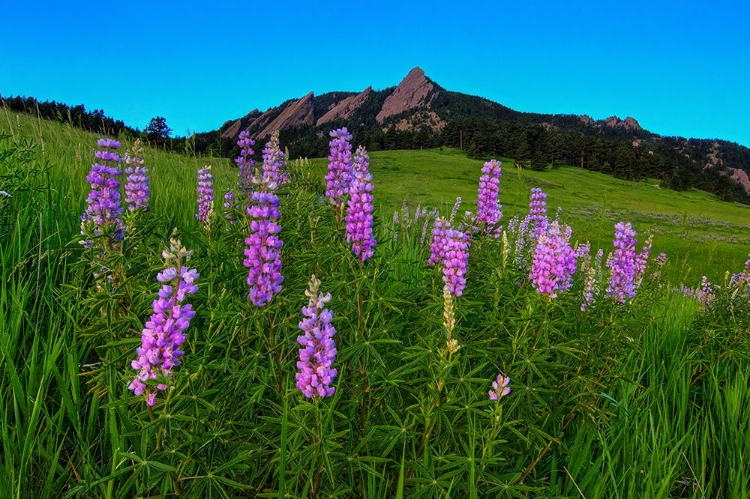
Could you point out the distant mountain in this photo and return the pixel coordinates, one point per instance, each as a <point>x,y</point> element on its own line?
<point>419,113</point>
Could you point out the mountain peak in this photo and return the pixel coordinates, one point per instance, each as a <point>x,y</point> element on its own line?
<point>414,91</point>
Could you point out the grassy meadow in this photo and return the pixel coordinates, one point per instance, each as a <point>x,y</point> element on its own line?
<point>645,399</point>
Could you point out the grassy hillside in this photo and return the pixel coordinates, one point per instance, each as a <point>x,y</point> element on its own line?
<point>702,234</point>
<point>706,235</point>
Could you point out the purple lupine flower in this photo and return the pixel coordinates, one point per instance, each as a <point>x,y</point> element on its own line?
<point>263,252</point>
<point>592,271</point>
<point>707,294</point>
<point>455,208</point>
<point>622,264</point>
<point>359,208</point>
<point>164,333</point>
<point>641,259</point>
<point>425,226</point>
<point>488,208</point>
<point>455,261</point>
<point>500,387</point>
<point>554,262</point>
<point>437,245</point>
<point>661,260</point>
<point>318,350</point>
<point>103,214</point>
<point>339,174</point>
<point>274,163</point>
<point>245,163</point>
<point>537,211</point>
<point>136,188</point>
<point>205,196</point>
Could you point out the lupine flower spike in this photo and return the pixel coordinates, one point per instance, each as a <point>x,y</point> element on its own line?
<point>554,261</point>
<point>205,197</point>
<point>245,164</point>
<point>455,261</point>
<point>136,188</point>
<point>318,351</point>
<point>359,208</point>
<point>488,209</point>
<point>103,215</point>
<point>263,252</point>
<point>274,163</point>
<point>623,264</point>
<point>339,174</point>
<point>164,333</point>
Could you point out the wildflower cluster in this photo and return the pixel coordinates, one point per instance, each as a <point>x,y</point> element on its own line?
<point>164,333</point>
<point>103,215</point>
<point>318,350</point>
<point>359,208</point>
<point>339,174</point>
<point>136,187</point>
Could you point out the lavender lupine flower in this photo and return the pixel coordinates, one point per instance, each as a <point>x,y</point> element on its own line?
<point>274,163</point>
<point>245,163</point>
<point>537,211</point>
<point>359,208</point>
<point>456,206</point>
<point>554,262</point>
<point>455,261</point>
<point>622,265</point>
<point>136,188</point>
<point>592,271</point>
<point>488,208</point>
<point>205,196</point>
<point>641,259</point>
<point>164,333</point>
<point>263,252</point>
<point>318,350</point>
<point>661,260</point>
<point>339,174</point>
<point>500,387</point>
<point>103,215</point>
<point>437,246</point>
<point>706,295</point>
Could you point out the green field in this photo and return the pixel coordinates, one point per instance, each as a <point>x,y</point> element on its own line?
<point>646,398</point>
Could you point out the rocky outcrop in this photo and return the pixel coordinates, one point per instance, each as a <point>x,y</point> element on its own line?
<point>428,120</point>
<point>414,91</point>
<point>296,114</point>
<point>741,177</point>
<point>628,123</point>
<point>344,109</point>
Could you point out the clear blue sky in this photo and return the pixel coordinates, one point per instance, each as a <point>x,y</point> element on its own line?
<point>678,67</point>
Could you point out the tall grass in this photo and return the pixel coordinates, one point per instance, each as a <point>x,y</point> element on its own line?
<point>647,400</point>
